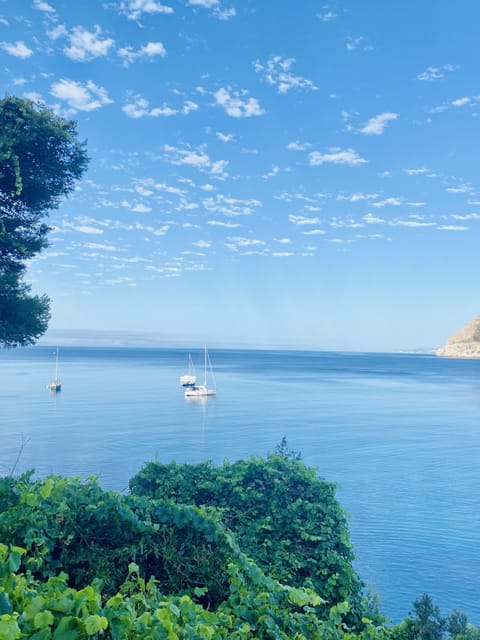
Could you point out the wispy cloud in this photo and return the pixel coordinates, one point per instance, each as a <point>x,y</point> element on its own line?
<point>336,155</point>
<point>467,216</point>
<point>277,73</point>
<point>17,49</point>
<point>452,227</point>
<point>216,8</point>
<point>352,43</point>
<point>369,218</point>
<point>40,5</point>
<point>231,207</point>
<point>435,73</point>
<point>358,197</point>
<point>139,107</point>
<point>148,51</point>
<point>376,125</point>
<point>236,243</point>
<point>196,158</point>
<point>302,220</point>
<point>298,146</point>
<point>87,45</point>
<point>271,174</point>
<point>392,201</point>
<point>463,187</point>
<point>133,9</point>
<point>225,137</point>
<point>327,15</point>
<point>422,171</point>
<point>80,97</point>
<point>236,104</point>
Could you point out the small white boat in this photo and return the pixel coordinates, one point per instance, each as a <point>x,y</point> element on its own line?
<point>201,390</point>
<point>188,379</point>
<point>55,385</point>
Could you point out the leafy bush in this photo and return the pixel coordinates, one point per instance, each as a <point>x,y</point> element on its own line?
<point>76,527</point>
<point>283,516</point>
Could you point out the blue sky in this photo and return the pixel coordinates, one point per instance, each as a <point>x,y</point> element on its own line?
<point>262,173</point>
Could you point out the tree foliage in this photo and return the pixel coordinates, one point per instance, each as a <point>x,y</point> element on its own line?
<point>40,161</point>
<point>282,514</point>
<point>79,563</point>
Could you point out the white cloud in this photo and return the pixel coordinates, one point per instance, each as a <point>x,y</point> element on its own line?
<point>133,9</point>
<point>434,73</point>
<point>82,228</point>
<point>225,137</point>
<point>388,201</point>
<point>352,43</point>
<point>376,125</point>
<point>314,232</point>
<point>358,196</point>
<point>198,159</point>
<point>298,146</point>
<point>141,208</point>
<point>215,6</point>
<point>327,16</point>
<point>460,102</point>
<point>221,223</point>
<point>17,49</point>
<point>283,240</point>
<point>452,227</point>
<point>271,174</point>
<point>336,156</point>
<point>59,31</point>
<point>235,105</point>
<point>87,45</point>
<point>139,107</point>
<point>43,6</point>
<point>231,207</point>
<point>102,247</point>
<point>202,244</point>
<point>277,73</point>
<point>369,218</point>
<point>149,50</point>
<point>467,216</point>
<point>461,188</point>
<point>419,172</point>
<point>282,254</point>
<point>303,220</point>
<point>188,107</point>
<point>411,223</point>
<point>87,97</point>
<point>236,243</point>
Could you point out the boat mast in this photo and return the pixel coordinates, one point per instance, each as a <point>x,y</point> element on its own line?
<point>56,366</point>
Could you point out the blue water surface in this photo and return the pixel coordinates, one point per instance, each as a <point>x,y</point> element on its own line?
<point>398,433</point>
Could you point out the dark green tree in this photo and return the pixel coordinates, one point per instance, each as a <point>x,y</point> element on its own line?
<point>40,161</point>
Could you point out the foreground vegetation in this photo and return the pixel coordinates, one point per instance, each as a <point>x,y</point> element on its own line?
<point>254,549</point>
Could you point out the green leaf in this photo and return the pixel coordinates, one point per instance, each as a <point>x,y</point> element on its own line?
<point>5,604</point>
<point>43,620</point>
<point>9,629</point>
<point>46,490</point>
<point>95,623</point>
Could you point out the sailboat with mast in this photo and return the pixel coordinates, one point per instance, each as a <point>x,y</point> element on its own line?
<point>201,390</point>
<point>55,385</point>
<point>188,379</point>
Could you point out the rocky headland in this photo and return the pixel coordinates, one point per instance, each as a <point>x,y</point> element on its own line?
<point>464,343</point>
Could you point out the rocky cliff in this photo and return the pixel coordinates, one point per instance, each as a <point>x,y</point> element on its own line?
<point>465,343</point>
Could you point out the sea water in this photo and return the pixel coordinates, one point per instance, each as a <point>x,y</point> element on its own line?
<point>398,433</point>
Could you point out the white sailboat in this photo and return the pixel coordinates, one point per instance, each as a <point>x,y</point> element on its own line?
<point>201,390</point>
<point>188,379</point>
<point>55,385</point>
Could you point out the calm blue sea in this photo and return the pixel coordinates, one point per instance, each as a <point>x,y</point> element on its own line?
<point>400,434</point>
